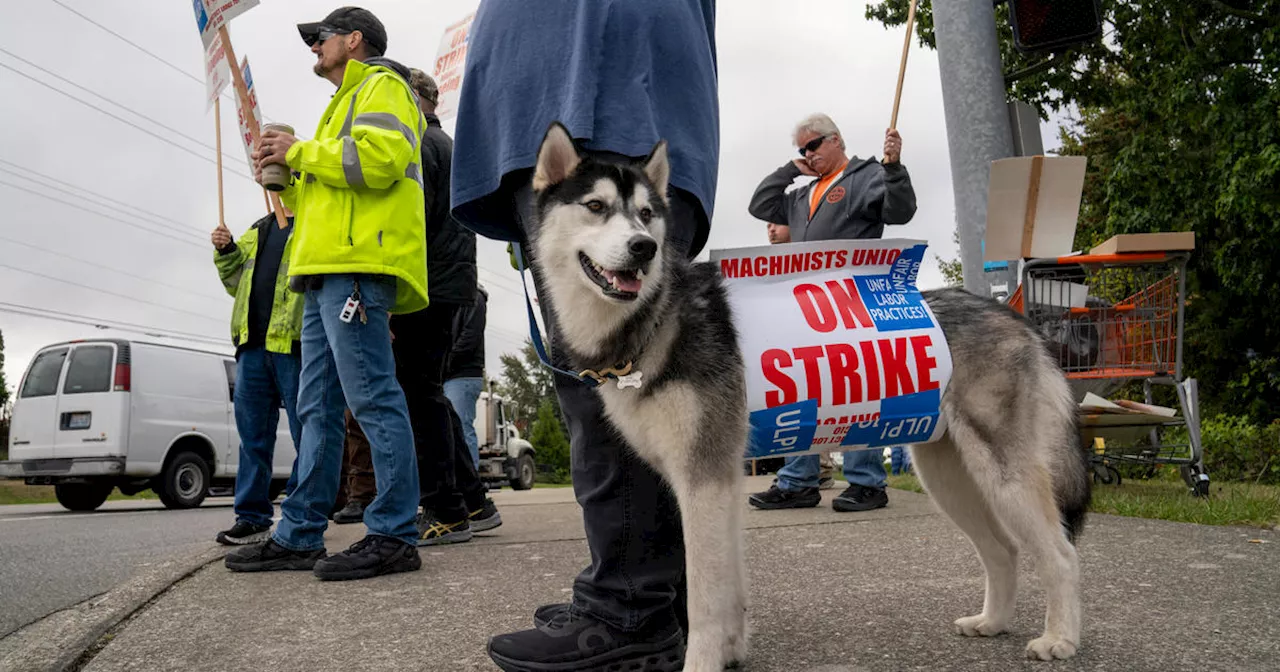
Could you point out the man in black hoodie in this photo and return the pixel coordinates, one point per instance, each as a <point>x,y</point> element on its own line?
<point>453,497</point>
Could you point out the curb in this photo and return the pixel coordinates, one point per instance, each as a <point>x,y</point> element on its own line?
<point>62,639</point>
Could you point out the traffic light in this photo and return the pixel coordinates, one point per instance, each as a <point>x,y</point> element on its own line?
<point>1046,25</point>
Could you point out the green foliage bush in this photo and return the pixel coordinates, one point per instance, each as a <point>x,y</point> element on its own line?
<point>550,445</point>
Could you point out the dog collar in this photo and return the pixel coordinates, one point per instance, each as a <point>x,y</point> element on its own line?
<point>622,373</point>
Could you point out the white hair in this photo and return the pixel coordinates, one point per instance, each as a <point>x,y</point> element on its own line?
<point>820,124</point>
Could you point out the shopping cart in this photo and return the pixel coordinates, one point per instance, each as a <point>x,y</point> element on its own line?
<point>1112,320</point>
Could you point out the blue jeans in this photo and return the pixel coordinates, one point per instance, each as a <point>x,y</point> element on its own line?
<point>350,364</point>
<point>263,380</point>
<point>861,467</point>
<point>462,394</point>
<point>899,460</point>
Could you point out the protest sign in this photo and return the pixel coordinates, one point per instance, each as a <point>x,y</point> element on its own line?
<point>450,60</point>
<point>841,351</point>
<point>246,134</point>
<point>216,73</point>
<point>214,14</point>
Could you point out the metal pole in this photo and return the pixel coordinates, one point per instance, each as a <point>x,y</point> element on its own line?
<point>973,99</point>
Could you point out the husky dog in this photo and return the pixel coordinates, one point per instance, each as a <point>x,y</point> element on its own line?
<point>1010,471</point>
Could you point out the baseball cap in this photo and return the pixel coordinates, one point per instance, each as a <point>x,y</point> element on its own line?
<point>346,20</point>
<point>424,85</point>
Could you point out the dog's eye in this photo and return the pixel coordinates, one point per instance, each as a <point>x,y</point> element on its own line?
<point>594,205</point>
<point>646,214</point>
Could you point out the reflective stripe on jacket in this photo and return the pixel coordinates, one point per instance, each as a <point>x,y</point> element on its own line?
<point>235,269</point>
<point>357,187</point>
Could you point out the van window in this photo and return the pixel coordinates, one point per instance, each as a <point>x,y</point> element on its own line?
<point>90,370</point>
<point>42,377</point>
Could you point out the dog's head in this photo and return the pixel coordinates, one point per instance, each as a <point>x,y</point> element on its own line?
<point>601,225</point>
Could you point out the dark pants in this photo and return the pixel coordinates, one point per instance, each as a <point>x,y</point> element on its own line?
<point>447,478</point>
<point>264,382</point>
<point>358,484</point>
<point>631,518</point>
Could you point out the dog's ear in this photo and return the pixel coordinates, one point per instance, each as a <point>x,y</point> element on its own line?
<point>658,169</point>
<point>557,157</point>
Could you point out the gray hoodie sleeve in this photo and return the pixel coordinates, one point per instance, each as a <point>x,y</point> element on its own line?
<point>899,204</point>
<point>771,202</point>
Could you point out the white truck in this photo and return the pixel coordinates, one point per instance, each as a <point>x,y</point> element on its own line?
<point>95,415</point>
<point>504,456</point>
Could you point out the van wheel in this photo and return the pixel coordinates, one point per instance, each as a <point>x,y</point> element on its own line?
<point>82,496</point>
<point>185,482</point>
<point>276,489</point>
<point>525,471</point>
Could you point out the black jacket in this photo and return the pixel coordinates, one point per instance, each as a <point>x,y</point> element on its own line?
<point>451,248</point>
<point>466,360</point>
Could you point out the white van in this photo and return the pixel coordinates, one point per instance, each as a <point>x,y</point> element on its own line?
<point>93,415</point>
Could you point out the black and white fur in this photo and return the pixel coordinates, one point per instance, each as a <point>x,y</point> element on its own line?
<point>1010,471</point>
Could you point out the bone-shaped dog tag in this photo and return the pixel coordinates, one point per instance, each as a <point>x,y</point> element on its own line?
<point>630,380</point>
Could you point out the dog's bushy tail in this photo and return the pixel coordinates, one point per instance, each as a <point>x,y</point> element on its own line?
<point>1073,487</point>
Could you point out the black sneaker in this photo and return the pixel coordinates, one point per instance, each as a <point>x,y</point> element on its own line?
<point>580,643</point>
<point>353,512</point>
<point>270,557</point>
<point>777,498</point>
<point>374,555</point>
<point>860,498</point>
<point>485,518</point>
<point>433,532</point>
<point>243,534</point>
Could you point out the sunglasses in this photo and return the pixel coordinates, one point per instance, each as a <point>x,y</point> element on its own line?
<point>813,145</point>
<point>321,37</point>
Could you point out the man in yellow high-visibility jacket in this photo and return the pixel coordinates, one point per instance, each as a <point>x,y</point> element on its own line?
<point>359,254</point>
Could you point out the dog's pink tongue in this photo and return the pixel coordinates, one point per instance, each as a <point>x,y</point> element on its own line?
<point>626,283</point>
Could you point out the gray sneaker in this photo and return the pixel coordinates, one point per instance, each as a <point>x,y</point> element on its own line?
<point>433,532</point>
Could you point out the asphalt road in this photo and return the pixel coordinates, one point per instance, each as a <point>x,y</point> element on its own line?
<point>51,558</point>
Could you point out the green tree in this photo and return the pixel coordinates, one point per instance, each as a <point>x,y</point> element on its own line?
<point>527,384</point>
<point>4,388</point>
<point>549,442</point>
<point>1178,110</point>
<point>4,404</point>
<point>952,273</point>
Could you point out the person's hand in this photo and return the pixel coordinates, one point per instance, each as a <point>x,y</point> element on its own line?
<point>272,148</point>
<point>892,146</point>
<point>803,165</point>
<point>221,237</point>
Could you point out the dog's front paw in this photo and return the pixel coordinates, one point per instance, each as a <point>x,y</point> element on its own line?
<point>979,626</point>
<point>735,651</point>
<point>1050,647</point>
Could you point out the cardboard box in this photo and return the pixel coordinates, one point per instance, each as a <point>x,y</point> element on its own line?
<point>1033,203</point>
<point>1147,242</point>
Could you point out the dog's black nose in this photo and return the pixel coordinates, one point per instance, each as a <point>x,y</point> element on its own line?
<point>643,248</point>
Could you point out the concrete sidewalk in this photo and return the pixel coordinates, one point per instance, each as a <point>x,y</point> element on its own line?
<point>830,592</point>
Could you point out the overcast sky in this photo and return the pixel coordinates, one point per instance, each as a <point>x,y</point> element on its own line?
<point>779,61</point>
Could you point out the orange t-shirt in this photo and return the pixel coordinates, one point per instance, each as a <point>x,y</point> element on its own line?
<point>821,186</point>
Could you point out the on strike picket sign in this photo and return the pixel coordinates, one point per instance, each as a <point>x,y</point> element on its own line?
<point>841,351</point>
<point>216,72</point>
<point>214,14</point>
<point>450,60</point>
<point>245,136</point>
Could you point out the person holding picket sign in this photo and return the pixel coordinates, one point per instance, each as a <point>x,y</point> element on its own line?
<point>850,199</point>
<point>359,255</point>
